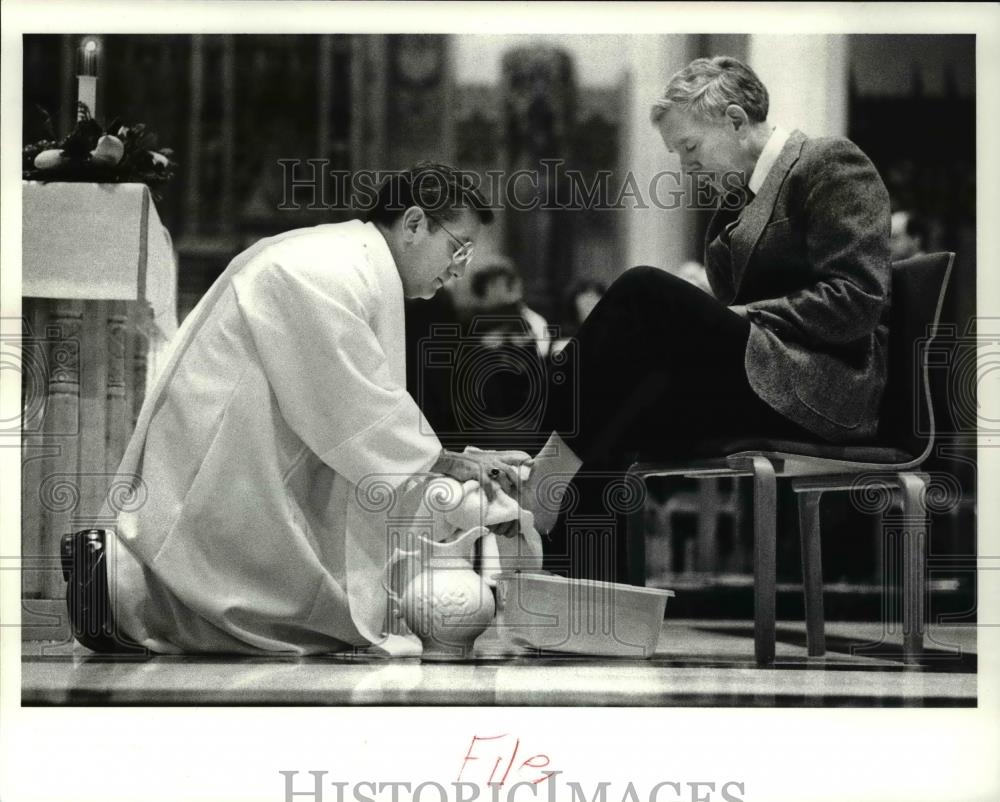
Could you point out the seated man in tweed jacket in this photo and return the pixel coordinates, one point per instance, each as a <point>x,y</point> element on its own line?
<point>793,343</point>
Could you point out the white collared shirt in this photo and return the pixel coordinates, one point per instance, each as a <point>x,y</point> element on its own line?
<point>768,156</point>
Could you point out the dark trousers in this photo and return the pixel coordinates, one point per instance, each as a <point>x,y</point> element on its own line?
<point>657,368</point>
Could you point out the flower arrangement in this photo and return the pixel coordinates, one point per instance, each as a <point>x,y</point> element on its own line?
<point>118,154</point>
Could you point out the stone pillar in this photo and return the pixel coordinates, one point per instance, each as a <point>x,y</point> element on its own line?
<point>658,236</point>
<point>806,77</point>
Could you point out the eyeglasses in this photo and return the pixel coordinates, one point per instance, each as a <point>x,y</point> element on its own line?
<point>462,256</point>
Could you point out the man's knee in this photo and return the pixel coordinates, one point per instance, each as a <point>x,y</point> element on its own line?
<point>643,273</point>
<point>647,282</point>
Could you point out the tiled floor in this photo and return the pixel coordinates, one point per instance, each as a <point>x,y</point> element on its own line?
<point>698,663</point>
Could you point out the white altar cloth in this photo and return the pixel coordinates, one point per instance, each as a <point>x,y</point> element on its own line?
<point>98,242</point>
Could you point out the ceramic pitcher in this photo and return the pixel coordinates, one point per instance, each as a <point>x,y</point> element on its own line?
<point>443,600</point>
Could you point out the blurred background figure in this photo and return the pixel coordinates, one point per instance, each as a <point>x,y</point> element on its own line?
<point>580,301</point>
<point>498,298</point>
<point>506,350</point>
<point>583,297</point>
<point>477,359</point>
<point>908,235</point>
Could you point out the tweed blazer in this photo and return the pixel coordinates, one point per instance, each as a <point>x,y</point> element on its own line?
<point>809,259</point>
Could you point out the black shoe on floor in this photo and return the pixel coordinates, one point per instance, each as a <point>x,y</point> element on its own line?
<point>84,566</point>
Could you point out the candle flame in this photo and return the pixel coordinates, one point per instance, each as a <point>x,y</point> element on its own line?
<point>89,54</point>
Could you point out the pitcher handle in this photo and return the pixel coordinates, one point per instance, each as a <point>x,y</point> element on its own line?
<point>397,556</point>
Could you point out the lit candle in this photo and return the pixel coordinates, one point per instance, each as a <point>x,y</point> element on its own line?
<point>86,76</point>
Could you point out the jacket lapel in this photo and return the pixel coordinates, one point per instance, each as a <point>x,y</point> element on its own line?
<point>758,211</point>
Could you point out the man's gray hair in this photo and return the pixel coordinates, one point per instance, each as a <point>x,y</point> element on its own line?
<point>707,86</point>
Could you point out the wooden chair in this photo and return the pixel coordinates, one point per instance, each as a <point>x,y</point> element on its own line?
<point>905,439</point>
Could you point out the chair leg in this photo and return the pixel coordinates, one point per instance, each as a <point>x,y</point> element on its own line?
<point>635,534</point>
<point>812,571</point>
<point>765,504</point>
<point>891,509</point>
<point>708,525</point>
<point>914,559</point>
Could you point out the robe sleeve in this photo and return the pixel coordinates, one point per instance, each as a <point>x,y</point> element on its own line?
<point>310,324</point>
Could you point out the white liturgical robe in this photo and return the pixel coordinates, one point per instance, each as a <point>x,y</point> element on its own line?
<point>263,457</point>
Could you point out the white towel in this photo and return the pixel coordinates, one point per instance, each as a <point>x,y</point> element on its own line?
<point>457,507</point>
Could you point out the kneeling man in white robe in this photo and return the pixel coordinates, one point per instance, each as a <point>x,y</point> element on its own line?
<point>283,394</point>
